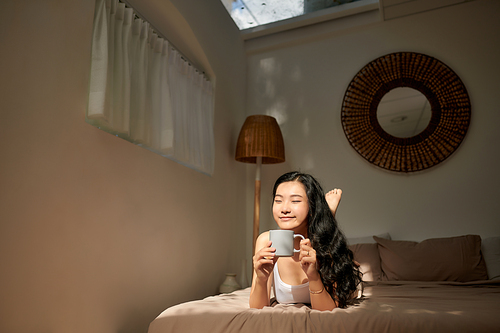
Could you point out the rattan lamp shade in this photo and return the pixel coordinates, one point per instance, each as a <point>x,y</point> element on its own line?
<point>260,136</point>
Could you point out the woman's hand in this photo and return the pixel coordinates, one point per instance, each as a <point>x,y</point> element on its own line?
<point>307,259</point>
<point>263,262</point>
<point>320,298</point>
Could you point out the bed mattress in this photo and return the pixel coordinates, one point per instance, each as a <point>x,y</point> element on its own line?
<point>384,307</point>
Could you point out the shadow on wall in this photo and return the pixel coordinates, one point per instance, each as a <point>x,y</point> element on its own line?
<point>274,99</point>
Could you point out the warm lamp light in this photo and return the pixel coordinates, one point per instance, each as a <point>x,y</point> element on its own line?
<point>260,142</point>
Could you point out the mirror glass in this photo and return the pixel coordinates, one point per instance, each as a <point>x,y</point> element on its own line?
<point>404,112</point>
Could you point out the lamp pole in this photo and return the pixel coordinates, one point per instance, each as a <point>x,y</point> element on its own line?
<point>260,141</point>
<point>256,213</point>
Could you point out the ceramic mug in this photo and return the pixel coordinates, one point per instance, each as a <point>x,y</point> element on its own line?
<point>283,242</point>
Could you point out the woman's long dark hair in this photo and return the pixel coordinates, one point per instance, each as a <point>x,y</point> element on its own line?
<point>339,274</point>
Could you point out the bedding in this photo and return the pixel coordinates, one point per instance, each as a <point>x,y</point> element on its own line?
<point>387,306</point>
<point>436,259</point>
<point>491,253</point>
<point>461,299</point>
<point>367,255</point>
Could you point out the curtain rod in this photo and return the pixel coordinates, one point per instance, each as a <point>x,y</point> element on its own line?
<point>138,15</point>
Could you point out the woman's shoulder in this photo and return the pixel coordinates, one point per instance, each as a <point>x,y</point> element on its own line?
<point>261,241</point>
<point>263,237</point>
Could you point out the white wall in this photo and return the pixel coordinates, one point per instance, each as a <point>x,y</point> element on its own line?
<point>96,234</point>
<point>300,76</point>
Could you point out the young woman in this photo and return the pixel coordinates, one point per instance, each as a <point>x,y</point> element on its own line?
<point>323,273</point>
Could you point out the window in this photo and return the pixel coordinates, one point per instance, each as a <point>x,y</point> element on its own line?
<point>252,13</point>
<point>146,92</point>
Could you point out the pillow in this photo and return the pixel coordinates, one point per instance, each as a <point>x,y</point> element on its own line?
<point>367,239</point>
<point>491,253</point>
<point>438,259</point>
<point>367,256</point>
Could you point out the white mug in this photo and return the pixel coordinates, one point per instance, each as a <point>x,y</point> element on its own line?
<point>283,242</point>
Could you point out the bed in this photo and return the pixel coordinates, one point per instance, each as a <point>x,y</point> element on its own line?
<point>437,285</point>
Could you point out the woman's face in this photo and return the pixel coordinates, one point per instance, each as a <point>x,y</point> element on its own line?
<point>291,207</point>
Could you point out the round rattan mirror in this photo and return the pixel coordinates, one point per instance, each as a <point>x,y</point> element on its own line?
<point>445,92</point>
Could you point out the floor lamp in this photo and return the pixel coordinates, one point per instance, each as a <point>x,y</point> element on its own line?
<point>260,142</point>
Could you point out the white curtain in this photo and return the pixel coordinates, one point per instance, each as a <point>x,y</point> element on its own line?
<point>143,90</point>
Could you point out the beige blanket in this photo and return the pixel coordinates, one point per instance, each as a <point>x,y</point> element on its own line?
<point>384,307</point>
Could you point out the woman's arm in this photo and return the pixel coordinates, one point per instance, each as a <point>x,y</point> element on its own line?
<point>320,298</point>
<point>263,264</point>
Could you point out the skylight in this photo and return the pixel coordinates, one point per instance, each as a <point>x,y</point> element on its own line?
<point>252,13</point>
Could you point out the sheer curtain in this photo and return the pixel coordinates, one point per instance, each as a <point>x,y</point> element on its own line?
<point>144,91</point>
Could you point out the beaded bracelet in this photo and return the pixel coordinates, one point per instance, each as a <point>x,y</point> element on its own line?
<point>317,292</point>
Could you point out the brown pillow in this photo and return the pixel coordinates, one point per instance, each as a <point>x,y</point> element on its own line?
<point>438,259</point>
<point>367,256</point>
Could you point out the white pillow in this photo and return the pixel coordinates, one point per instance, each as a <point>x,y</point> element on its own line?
<point>367,239</point>
<point>491,254</point>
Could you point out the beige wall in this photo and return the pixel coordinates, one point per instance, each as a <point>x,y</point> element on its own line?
<point>96,234</point>
<point>94,230</point>
<point>300,76</point>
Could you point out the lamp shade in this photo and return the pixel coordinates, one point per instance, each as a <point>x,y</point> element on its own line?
<point>260,136</point>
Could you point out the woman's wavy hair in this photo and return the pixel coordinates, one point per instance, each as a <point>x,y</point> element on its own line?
<point>339,274</point>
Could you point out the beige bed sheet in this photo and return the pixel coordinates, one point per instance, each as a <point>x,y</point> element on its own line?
<point>384,307</point>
